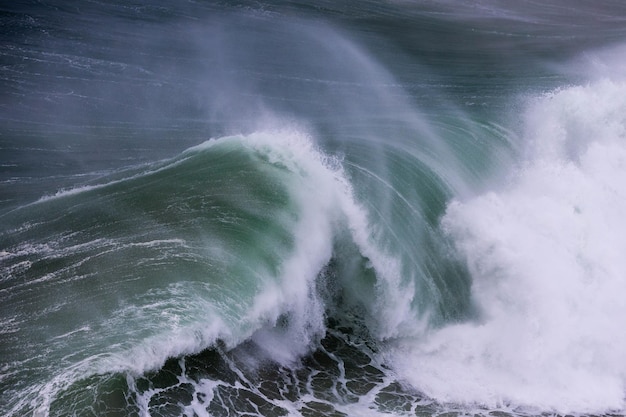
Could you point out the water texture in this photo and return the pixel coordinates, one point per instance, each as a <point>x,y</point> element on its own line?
<point>312,208</point>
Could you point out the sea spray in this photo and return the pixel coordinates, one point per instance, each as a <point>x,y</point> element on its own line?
<point>545,253</point>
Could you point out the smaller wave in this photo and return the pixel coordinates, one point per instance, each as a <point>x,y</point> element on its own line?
<point>141,171</point>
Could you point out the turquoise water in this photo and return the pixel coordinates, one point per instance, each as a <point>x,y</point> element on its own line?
<point>312,209</point>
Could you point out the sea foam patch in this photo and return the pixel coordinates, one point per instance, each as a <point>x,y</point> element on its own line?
<point>545,256</point>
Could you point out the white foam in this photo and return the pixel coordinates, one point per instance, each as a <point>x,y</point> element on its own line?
<point>315,188</point>
<point>546,255</point>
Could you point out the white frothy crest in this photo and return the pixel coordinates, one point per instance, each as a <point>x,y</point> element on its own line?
<point>546,256</point>
<point>326,199</point>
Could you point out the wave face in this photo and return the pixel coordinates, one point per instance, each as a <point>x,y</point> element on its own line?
<point>283,208</point>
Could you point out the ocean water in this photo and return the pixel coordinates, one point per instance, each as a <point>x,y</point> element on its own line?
<point>330,208</point>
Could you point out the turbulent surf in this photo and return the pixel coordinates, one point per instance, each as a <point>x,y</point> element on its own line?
<point>312,209</point>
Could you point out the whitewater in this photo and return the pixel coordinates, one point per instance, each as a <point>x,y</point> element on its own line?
<point>544,253</point>
<point>279,208</point>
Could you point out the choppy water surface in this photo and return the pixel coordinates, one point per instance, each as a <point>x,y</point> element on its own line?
<point>312,209</point>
